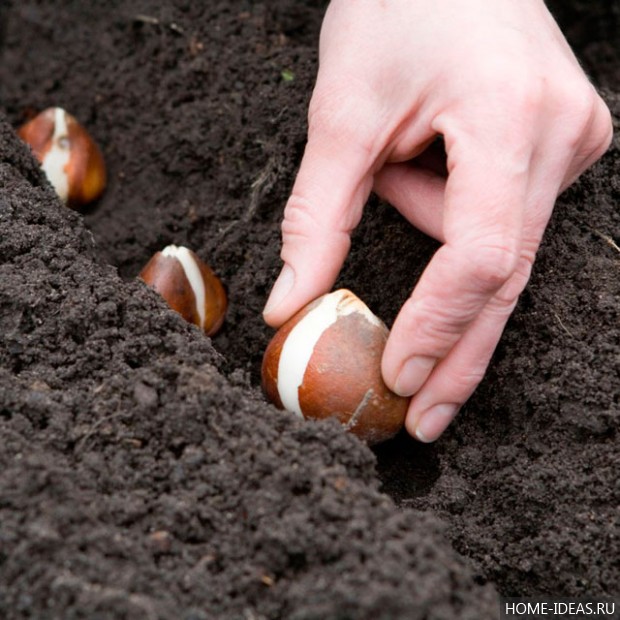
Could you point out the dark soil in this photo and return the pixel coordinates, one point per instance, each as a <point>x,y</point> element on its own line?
<point>142,475</point>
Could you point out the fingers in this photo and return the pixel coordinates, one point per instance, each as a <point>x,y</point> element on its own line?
<point>455,377</point>
<point>499,192</point>
<point>347,140</point>
<point>483,220</point>
<point>326,204</point>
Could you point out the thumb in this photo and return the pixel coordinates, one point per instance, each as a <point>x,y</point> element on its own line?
<point>326,203</point>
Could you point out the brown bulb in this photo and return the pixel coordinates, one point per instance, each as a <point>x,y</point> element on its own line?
<point>70,159</point>
<point>189,286</point>
<point>326,362</point>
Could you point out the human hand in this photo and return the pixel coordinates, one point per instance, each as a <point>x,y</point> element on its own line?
<point>520,122</point>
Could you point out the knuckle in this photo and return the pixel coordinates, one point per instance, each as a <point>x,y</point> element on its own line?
<point>597,139</point>
<point>603,131</point>
<point>299,216</point>
<point>303,219</point>
<point>508,294</point>
<point>578,99</point>
<point>436,326</point>
<point>305,224</point>
<point>304,216</point>
<point>492,264</point>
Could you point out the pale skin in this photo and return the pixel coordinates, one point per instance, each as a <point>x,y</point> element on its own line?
<point>520,122</point>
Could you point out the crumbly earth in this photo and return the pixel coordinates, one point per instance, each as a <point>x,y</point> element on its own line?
<point>142,475</point>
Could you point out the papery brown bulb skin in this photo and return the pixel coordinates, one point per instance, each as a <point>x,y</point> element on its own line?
<point>326,362</point>
<point>68,155</point>
<point>189,286</point>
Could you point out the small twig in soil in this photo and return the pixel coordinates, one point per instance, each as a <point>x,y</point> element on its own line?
<point>557,316</point>
<point>261,185</point>
<point>356,414</point>
<point>154,21</point>
<point>146,19</point>
<point>607,239</point>
<point>81,442</point>
<point>224,232</point>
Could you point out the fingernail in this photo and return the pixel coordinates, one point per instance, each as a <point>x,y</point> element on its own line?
<point>413,374</point>
<point>434,421</point>
<point>282,287</point>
